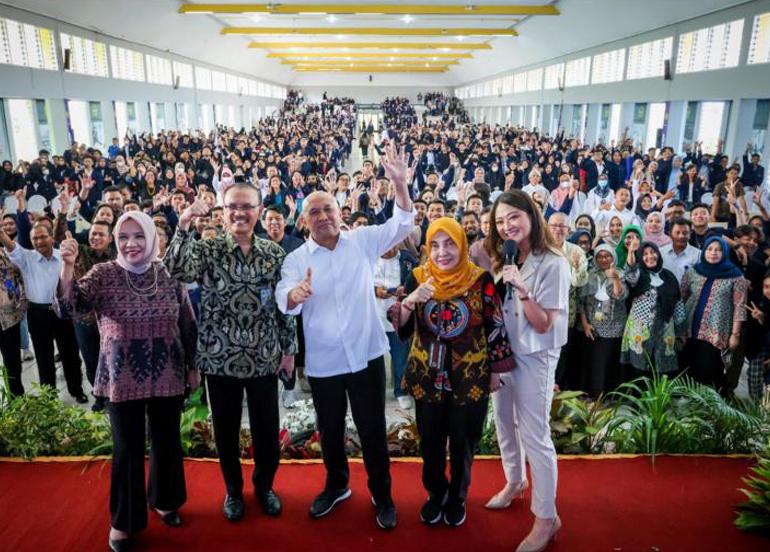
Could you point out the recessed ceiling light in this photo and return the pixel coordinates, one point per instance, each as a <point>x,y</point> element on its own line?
<point>340,37</point>
<point>444,49</point>
<point>407,18</point>
<point>331,18</point>
<point>256,18</point>
<point>392,58</point>
<point>460,38</point>
<point>435,58</point>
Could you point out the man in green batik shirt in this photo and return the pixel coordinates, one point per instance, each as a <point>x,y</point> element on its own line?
<point>243,339</point>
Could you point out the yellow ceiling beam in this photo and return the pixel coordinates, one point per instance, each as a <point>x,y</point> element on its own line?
<point>367,31</point>
<point>372,55</point>
<point>342,69</point>
<point>385,63</point>
<point>369,9</point>
<point>375,45</point>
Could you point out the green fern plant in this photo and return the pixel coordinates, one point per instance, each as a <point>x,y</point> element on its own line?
<point>753,515</point>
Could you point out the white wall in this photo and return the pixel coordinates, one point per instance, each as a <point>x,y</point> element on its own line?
<point>368,94</point>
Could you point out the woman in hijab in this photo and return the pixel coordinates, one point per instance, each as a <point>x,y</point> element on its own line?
<point>644,206</point>
<point>612,233</point>
<point>630,239</point>
<point>654,229</point>
<point>656,316</point>
<point>714,292</point>
<point>586,222</point>
<point>459,351</point>
<point>148,336</point>
<point>602,311</point>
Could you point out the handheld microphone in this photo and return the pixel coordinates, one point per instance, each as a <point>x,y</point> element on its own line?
<point>510,249</point>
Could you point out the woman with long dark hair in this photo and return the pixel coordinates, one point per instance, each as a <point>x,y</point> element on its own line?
<point>535,314</point>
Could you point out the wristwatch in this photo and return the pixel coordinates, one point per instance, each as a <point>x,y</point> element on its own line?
<point>526,297</point>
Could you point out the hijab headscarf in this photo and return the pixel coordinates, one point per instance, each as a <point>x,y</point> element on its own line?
<point>595,286</point>
<point>641,212</point>
<point>152,243</point>
<point>664,282</point>
<point>621,249</point>
<point>658,238</point>
<point>456,281</point>
<point>608,238</point>
<point>591,221</point>
<point>724,268</point>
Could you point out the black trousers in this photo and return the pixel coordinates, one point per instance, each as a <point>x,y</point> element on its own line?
<point>10,347</point>
<point>88,341</point>
<point>45,328</point>
<point>569,370</point>
<point>705,363</point>
<point>366,392</point>
<point>603,372</point>
<point>226,403</point>
<point>166,486</point>
<point>462,425</point>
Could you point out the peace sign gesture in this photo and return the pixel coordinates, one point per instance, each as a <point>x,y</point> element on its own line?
<point>755,311</point>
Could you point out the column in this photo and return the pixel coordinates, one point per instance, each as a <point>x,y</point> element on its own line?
<point>677,112</point>
<point>739,127</point>
<point>593,123</point>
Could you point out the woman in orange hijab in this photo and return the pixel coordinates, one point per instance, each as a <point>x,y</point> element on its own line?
<point>459,350</point>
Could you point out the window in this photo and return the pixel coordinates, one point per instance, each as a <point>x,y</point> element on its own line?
<point>87,57</point>
<point>183,72</point>
<point>27,45</point>
<point>609,67</point>
<point>577,72</point>
<point>22,119</point>
<point>252,87</point>
<point>127,64</point>
<point>655,122</point>
<point>232,83</point>
<point>535,79</point>
<point>218,81</point>
<point>554,75</point>
<point>519,83</point>
<point>710,125</point>
<point>759,47</point>
<point>202,78</point>
<point>711,48</point>
<point>243,86</point>
<point>647,60</point>
<point>158,70</point>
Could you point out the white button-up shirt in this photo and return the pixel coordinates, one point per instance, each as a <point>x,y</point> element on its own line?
<point>678,264</point>
<point>41,275</point>
<point>342,329</point>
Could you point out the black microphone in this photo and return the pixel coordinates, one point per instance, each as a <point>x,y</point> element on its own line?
<point>510,249</point>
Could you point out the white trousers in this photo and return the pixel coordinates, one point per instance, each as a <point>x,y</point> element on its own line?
<point>522,415</point>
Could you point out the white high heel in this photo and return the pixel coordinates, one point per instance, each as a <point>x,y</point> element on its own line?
<point>527,545</point>
<point>504,498</point>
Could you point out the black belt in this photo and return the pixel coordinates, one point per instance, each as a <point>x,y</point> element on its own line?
<point>41,306</point>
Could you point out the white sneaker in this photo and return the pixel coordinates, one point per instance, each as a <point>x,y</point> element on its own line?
<point>404,402</point>
<point>26,354</point>
<point>289,398</point>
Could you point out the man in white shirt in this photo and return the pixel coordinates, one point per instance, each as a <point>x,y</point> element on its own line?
<point>679,255</point>
<point>40,268</point>
<point>330,280</point>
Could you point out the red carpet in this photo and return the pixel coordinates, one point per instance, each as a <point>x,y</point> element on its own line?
<point>684,504</point>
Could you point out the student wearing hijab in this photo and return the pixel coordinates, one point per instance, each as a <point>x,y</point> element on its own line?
<point>630,239</point>
<point>148,335</point>
<point>644,206</point>
<point>654,229</point>
<point>656,316</point>
<point>459,351</point>
<point>612,233</point>
<point>602,311</point>
<point>713,292</point>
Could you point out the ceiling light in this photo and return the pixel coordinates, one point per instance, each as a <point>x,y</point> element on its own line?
<point>390,65</point>
<point>460,38</point>
<point>340,37</point>
<point>444,49</point>
<point>435,58</point>
<point>331,18</point>
<point>256,18</point>
<point>427,65</point>
<point>392,58</point>
<point>407,18</point>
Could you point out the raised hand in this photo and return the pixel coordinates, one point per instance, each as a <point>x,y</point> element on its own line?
<point>423,293</point>
<point>64,201</point>
<point>21,200</point>
<point>304,289</point>
<point>395,164</point>
<point>69,249</point>
<point>196,209</point>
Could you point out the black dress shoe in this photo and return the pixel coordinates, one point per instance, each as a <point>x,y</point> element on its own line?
<point>80,398</point>
<point>326,501</point>
<point>270,502</point>
<point>431,511</point>
<point>454,513</point>
<point>119,545</point>
<point>233,507</point>
<point>386,515</point>
<point>172,519</point>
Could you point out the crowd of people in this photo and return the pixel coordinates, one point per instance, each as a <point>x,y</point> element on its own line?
<point>439,104</point>
<point>489,262</point>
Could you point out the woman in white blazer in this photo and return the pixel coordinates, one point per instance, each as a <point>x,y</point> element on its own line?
<point>535,313</point>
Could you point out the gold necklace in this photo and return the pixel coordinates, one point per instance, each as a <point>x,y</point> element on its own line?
<point>149,291</point>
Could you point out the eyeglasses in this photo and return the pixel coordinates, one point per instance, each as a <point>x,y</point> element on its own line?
<point>559,226</point>
<point>240,207</point>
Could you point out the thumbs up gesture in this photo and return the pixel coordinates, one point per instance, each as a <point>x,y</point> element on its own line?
<point>304,289</point>
<point>423,292</point>
<point>69,249</point>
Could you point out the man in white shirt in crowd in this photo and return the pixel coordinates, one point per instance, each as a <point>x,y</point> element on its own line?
<point>679,255</point>
<point>605,212</point>
<point>330,281</point>
<point>40,268</point>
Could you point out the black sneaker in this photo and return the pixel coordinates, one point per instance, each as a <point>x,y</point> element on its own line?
<point>326,501</point>
<point>431,511</point>
<point>386,515</point>
<point>454,513</point>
